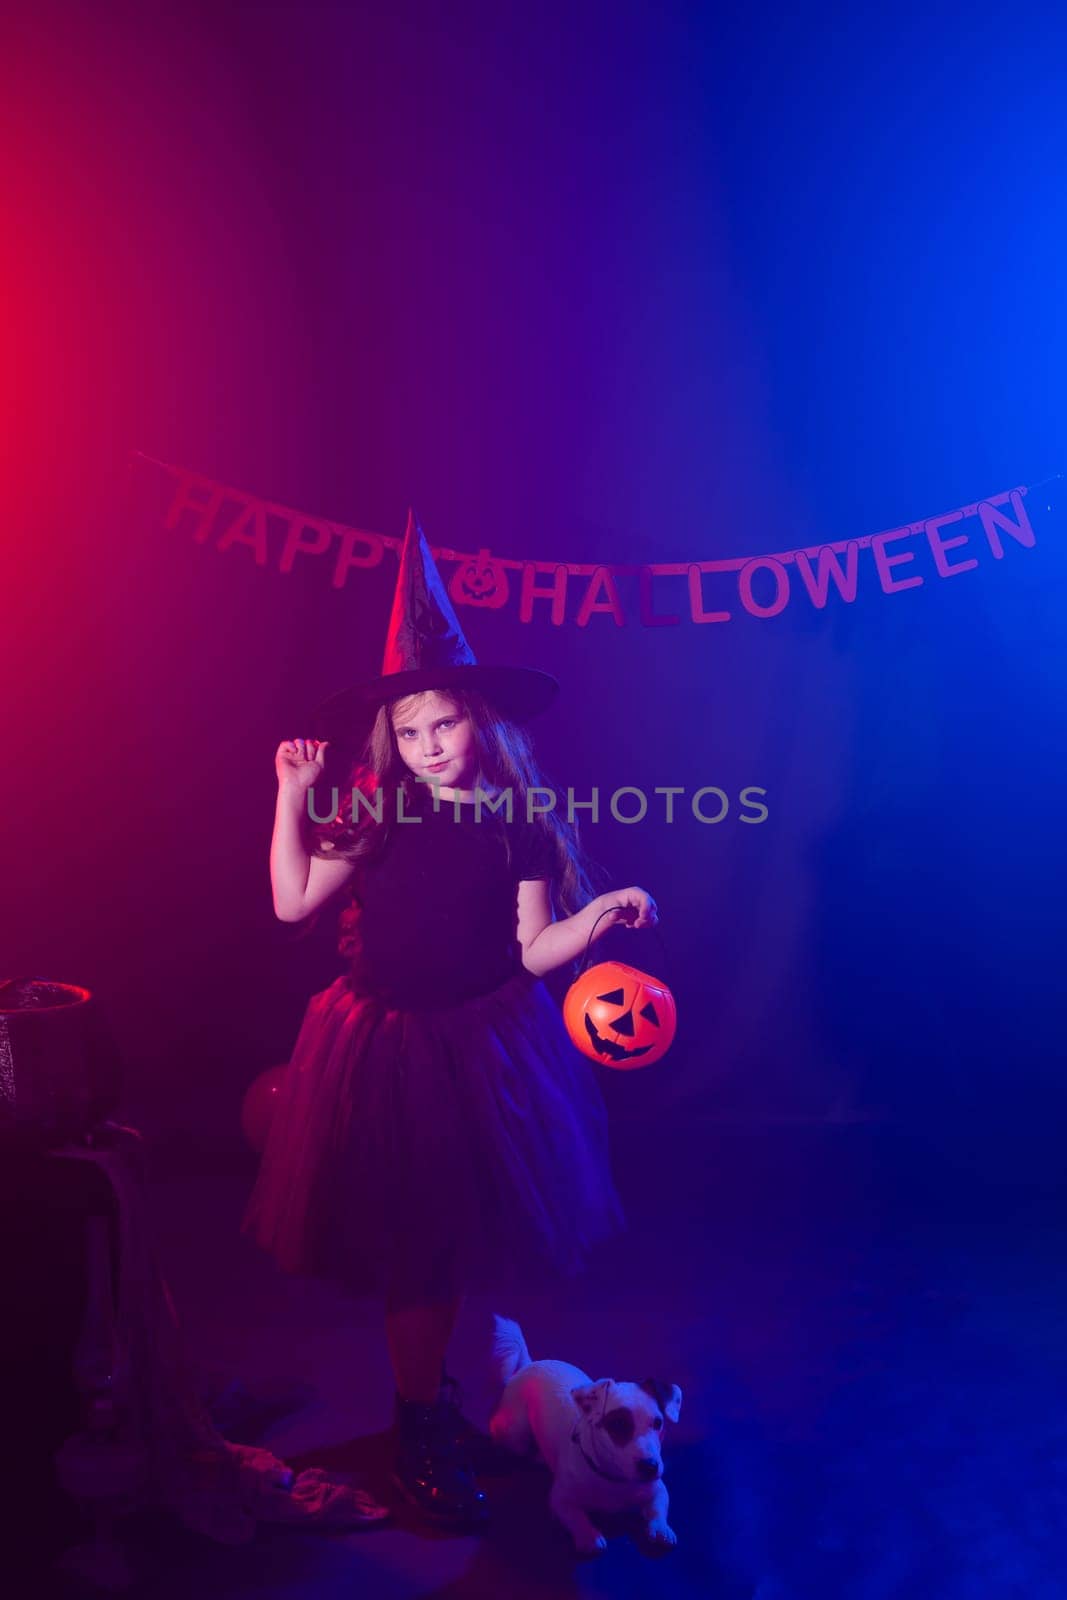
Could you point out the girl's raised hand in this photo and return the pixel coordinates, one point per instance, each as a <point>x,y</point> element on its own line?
<point>299,763</point>
<point>635,908</point>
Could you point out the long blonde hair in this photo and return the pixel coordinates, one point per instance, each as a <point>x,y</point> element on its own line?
<point>506,761</point>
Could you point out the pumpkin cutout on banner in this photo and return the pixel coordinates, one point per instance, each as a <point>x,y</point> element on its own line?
<point>480,581</point>
<point>619,1016</point>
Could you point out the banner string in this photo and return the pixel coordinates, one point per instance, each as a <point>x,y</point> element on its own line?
<point>586,569</point>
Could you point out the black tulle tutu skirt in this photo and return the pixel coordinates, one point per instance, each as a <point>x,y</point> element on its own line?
<point>416,1153</point>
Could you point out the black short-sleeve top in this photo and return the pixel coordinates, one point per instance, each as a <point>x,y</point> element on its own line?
<point>438,907</point>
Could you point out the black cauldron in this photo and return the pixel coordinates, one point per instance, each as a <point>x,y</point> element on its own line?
<point>60,1069</point>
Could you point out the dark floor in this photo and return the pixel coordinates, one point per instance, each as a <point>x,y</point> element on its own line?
<point>874,1376</point>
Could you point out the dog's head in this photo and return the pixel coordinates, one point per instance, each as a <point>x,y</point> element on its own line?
<point>620,1426</point>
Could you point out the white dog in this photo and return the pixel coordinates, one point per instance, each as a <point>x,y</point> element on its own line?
<point>600,1441</point>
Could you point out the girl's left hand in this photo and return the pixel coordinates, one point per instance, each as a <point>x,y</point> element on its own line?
<point>634,907</point>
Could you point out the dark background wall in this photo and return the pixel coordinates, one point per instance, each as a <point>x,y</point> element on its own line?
<point>631,283</point>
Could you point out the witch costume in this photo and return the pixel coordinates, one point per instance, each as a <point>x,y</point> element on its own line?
<point>437,1130</point>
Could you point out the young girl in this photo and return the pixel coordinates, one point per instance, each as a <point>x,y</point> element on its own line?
<point>438,1131</point>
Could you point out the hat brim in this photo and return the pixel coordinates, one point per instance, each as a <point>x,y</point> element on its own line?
<point>517,692</point>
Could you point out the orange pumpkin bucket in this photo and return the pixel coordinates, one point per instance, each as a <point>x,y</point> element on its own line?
<point>618,1015</point>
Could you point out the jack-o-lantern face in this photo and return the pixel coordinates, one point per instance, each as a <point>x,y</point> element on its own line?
<point>619,1016</point>
<point>481,581</point>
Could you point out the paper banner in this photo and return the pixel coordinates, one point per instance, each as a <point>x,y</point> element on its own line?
<point>655,595</point>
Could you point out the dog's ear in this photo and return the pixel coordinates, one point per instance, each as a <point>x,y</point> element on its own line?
<point>667,1396</point>
<point>588,1395</point>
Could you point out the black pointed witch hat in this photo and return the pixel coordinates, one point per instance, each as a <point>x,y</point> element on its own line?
<point>425,648</point>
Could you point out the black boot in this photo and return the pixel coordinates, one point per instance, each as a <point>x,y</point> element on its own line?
<point>430,1467</point>
<point>473,1445</point>
<point>450,1398</point>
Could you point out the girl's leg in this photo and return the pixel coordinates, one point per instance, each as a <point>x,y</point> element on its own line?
<point>430,1467</point>
<point>418,1336</point>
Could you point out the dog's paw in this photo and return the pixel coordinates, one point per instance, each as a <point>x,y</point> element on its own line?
<point>590,1544</point>
<point>662,1534</point>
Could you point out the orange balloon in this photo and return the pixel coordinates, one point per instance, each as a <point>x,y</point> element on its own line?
<point>619,1016</point>
<point>258,1105</point>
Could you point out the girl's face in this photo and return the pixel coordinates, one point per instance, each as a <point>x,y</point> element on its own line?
<point>436,740</point>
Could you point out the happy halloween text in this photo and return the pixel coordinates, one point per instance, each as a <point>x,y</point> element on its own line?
<point>285,538</point>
